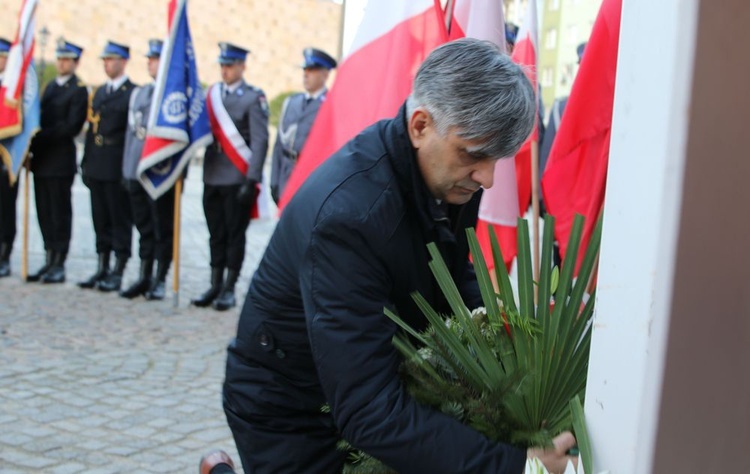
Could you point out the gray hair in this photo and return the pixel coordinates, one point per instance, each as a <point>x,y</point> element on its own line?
<point>469,85</point>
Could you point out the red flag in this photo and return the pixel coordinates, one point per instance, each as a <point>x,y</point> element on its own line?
<point>19,58</point>
<point>576,173</point>
<point>373,80</point>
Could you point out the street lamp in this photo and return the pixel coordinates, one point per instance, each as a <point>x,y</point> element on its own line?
<point>43,36</point>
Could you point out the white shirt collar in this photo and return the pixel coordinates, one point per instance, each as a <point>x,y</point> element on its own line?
<point>117,82</point>
<point>232,87</point>
<point>315,94</point>
<point>61,80</point>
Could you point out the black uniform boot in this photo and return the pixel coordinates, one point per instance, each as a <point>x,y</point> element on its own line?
<point>226,298</point>
<point>113,281</point>
<point>158,287</point>
<point>141,286</point>
<point>101,272</point>
<point>217,278</point>
<point>5,259</point>
<point>40,273</point>
<point>56,271</point>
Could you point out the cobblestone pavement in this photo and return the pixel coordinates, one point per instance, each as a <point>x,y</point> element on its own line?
<point>94,383</point>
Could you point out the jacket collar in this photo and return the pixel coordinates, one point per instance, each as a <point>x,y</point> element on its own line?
<point>404,161</point>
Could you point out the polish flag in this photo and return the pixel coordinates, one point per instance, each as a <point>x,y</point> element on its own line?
<point>503,202</point>
<point>19,59</point>
<point>373,80</point>
<point>576,172</point>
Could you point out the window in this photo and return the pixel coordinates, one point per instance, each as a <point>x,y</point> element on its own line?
<point>554,5</point>
<point>547,77</point>
<point>550,41</point>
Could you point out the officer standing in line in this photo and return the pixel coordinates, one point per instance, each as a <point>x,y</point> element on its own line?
<point>8,193</point>
<point>232,170</point>
<point>297,116</point>
<point>53,160</point>
<point>102,169</point>
<point>153,219</point>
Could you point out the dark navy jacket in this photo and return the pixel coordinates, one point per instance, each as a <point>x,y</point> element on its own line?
<point>351,242</point>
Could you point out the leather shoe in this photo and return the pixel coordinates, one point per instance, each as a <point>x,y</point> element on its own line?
<point>215,458</point>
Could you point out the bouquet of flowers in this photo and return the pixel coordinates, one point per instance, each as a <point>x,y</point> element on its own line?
<point>514,370</point>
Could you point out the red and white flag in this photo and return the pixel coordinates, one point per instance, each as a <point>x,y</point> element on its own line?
<point>500,205</point>
<point>493,209</point>
<point>373,80</point>
<point>19,58</point>
<point>576,172</point>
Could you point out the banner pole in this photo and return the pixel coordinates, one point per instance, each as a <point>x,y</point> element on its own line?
<point>176,242</point>
<point>25,246</point>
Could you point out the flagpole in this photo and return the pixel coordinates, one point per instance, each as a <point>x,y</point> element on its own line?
<point>176,242</point>
<point>449,15</point>
<point>535,209</point>
<point>25,246</point>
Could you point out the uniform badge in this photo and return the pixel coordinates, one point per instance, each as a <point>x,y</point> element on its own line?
<point>240,92</point>
<point>264,105</point>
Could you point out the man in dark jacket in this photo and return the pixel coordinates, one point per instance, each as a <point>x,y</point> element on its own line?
<point>353,241</point>
<point>102,169</point>
<point>53,162</point>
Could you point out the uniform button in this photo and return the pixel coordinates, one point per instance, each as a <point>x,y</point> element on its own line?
<point>280,354</point>
<point>264,341</point>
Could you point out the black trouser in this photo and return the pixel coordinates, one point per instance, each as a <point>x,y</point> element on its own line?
<point>227,222</point>
<point>54,211</point>
<point>273,433</point>
<point>8,195</point>
<point>113,222</point>
<point>154,221</point>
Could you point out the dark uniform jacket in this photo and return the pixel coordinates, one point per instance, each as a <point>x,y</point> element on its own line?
<point>297,118</point>
<point>248,109</point>
<point>105,138</point>
<point>63,112</point>
<point>351,242</point>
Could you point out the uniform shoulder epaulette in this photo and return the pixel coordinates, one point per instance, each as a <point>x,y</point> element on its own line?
<point>80,83</point>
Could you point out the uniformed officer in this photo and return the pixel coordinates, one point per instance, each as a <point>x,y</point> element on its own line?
<point>102,169</point>
<point>8,193</point>
<point>53,162</point>
<point>232,170</point>
<point>153,219</point>
<point>297,116</point>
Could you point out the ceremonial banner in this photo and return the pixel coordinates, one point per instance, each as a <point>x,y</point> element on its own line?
<point>178,123</point>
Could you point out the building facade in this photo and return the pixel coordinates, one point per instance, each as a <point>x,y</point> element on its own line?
<point>275,32</point>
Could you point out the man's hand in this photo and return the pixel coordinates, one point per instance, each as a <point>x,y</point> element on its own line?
<point>555,459</point>
<point>246,193</point>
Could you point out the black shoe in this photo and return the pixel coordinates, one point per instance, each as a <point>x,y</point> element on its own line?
<point>143,284</point>
<point>102,272</point>
<point>217,278</point>
<point>158,286</point>
<point>158,291</point>
<point>5,259</point>
<point>113,281</point>
<point>56,271</point>
<point>40,273</point>
<point>226,297</point>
